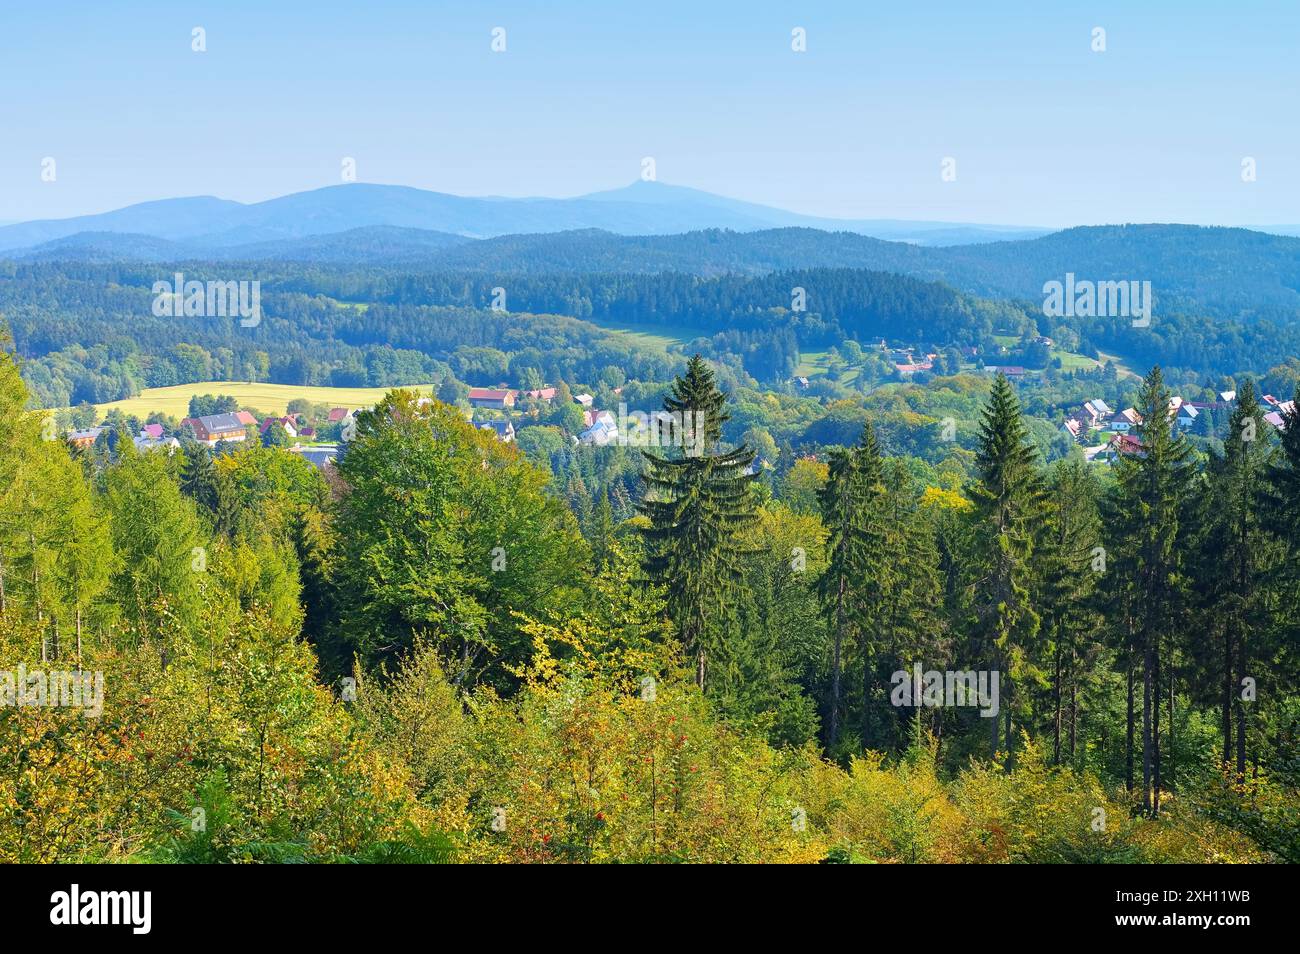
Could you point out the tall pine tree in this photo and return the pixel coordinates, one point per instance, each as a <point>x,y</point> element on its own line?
<point>1154,542</point>
<point>697,496</point>
<point>850,510</point>
<point>1009,505</point>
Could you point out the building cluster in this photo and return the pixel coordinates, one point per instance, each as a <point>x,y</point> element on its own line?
<point>1117,429</point>
<point>599,426</point>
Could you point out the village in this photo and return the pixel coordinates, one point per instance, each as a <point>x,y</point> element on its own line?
<point>318,432</point>
<point>1106,434</point>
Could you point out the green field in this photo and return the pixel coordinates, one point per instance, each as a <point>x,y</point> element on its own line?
<point>1073,362</point>
<point>268,398</point>
<point>656,337</point>
<point>813,364</point>
<point>1070,361</point>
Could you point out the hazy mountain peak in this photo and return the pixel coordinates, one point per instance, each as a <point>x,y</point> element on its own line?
<point>640,208</point>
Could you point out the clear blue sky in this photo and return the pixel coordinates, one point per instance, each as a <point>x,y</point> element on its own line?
<point>1044,130</point>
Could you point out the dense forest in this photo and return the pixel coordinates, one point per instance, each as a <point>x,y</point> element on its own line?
<point>89,334</point>
<point>1225,273</point>
<point>438,650</point>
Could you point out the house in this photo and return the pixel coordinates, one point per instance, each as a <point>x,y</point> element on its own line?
<point>585,400</point>
<point>144,443</point>
<point>152,432</point>
<point>307,433</point>
<point>1074,427</point>
<point>801,383</point>
<point>908,369</point>
<point>1125,421</point>
<point>1228,397</point>
<point>337,414</point>
<point>288,423</point>
<point>246,418</point>
<point>318,457</point>
<point>541,394</point>
<point>1124,445</point>
<point>1270,400</point>
<point>498,399</point>
<point>1009,370</point>
<point>1095,411</point>
<point>348,430</point>
<point>603,430</point>
<point>1278,418</point>
<point>214,428</point>
<point>1186,415</point>
<point>85,438</point>
<point>504,430</point>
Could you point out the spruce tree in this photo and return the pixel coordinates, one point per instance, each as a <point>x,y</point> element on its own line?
<point>908,595</point>
<point>1071,566</point>
<point>1153,534</point>
<point>848,500</point>
<point>697,497</point>
<point>1009,506</point>
<point>1237,551</point>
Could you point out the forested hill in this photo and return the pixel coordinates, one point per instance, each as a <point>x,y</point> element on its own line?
<point>1227,273</point>
<point>1220,272</point>
<point>88,332</point>
<point>1230,273</point>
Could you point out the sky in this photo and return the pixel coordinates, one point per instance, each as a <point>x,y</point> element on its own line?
<point>1044,130</point>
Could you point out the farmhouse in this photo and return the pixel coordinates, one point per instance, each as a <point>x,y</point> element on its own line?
<point>85,438</point>
<point>1095,412</point>
<point>1125,445</point>
<point>909,369</point>
<point>214,428</point>
<point>602,430</point>
<point>1185,414</point>
<point>1125,421</point>
<point>498,399</point>
<point>288,423</point>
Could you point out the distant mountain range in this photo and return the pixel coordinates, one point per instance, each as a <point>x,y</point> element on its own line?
<point>652,227</point>
<point>643,208</point>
